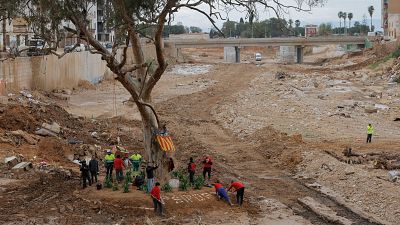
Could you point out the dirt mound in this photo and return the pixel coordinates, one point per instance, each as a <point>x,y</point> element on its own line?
<point>84,84</point>
<point>16,117</point>
<point>53,150</point>
<point>280,148</point>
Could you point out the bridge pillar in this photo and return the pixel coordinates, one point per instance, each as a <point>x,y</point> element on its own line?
<point>299,54</point>
<point>237,54</point>
<point>232,54</point>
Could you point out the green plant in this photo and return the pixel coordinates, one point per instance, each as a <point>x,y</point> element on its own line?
<point>178,174</point>
<point>166,188</point>
<point>108,183</point>
<point>184,183</point>
<point>143,187</point>
<point>128,176</point>
<point>395,54</point>
<point>126,187</point>
<point>397,79</point>
<point>115,186</point>
<point>199,182</point>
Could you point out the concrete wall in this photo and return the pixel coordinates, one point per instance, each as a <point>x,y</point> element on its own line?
<point>287,54</point>
<point>49,72</point>
<point>229,54</point>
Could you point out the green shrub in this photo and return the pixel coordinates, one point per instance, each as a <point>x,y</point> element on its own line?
<point>108,183</point>
<point>166,188</point>
<point>115,186</point>
<point>199,182</point>
<point>184,183</point>
<point>126,187</point>
<point>128,176</point>
<point>143,188</point>
<point>179,174</point>
<point>396,54</point>
<point>397,79</point>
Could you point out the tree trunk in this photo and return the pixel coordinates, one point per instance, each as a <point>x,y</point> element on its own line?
<point>4,31</point>
<point>153,152</point>
<point>371,24</point>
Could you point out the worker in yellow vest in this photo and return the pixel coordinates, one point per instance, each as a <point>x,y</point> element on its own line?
<point>109,163</point>
<point>136,160</point>
<point>370,131</point>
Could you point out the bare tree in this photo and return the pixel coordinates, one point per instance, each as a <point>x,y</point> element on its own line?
<point>127,18</point>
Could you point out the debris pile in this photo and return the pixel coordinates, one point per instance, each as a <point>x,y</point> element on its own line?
<point>394,71</point>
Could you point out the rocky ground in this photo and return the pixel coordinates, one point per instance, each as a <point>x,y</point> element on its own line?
<point>280,129</point>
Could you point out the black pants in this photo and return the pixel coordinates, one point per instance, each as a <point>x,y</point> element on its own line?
<point>239,196</point>
<point>191,177</point>
<point>207,171</point>
<point>369,138</point>
<point>85,176</point>
<point>158,208</point>
<point>109,170</point>
<point>93,176</point>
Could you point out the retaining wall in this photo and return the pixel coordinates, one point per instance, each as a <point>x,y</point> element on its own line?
<point>49,73</point>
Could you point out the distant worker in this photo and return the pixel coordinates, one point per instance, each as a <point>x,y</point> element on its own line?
<point>119,166</point>
<point>127,161</point>
<point>136,160</point>
<point>239,188</point>
<point>109,163</point>
<point>370,131</point>
<point>191,170</point>
<point>150,175</point>
<point>157,201</point>
<point>85,173</point>
<point>221,192</point>
<point>94,169</point>
<point>171,165</point>
<point>207,163</point>
<point>164,130</point>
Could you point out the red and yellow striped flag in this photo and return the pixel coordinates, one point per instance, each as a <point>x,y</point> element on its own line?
<point>165,143</point>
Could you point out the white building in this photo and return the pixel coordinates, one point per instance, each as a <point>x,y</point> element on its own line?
<point>391,18</point>
<point>18,31</point>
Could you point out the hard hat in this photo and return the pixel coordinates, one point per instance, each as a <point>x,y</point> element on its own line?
<point>108,150</point>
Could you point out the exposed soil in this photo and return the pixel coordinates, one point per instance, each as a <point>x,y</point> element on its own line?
<point>268,132</point>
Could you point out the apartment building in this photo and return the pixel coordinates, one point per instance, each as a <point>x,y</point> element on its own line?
<point>391,18</point>
<point>18,31</point>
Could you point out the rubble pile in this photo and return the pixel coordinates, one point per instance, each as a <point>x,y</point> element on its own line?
<point>360,185</point>
<point>394,71</point>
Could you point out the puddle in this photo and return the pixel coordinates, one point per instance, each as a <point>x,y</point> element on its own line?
<point>190,69</point>
<point>381,106</point>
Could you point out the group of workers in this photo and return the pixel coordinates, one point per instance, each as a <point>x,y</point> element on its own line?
<point>220,191</point>
<point>90,172</point>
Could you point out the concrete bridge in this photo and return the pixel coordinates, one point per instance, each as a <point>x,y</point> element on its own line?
<point>298,43</point>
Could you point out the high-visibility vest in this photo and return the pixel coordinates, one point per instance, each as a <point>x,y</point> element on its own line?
<point>136,157</point>
<point>109,157</point>
<point>370,130</point>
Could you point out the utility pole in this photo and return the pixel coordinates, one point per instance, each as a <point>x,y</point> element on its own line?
<point>252,30</point>
<point>4,31</point>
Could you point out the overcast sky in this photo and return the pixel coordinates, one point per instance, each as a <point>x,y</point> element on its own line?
<point>327,13</point>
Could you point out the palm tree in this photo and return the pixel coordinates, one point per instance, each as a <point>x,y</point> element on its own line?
<point>350,16</point>
<point>371,12</point>
<point>340,15</point>
<point>344,22</point>
<point>297,25</point>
